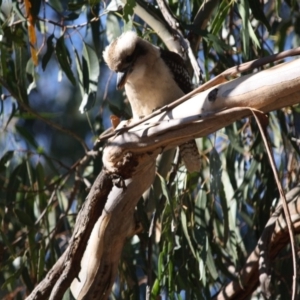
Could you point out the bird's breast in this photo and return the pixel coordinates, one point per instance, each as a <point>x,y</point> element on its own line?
<point>151,94</point>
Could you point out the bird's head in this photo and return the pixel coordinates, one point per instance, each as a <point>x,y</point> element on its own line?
<point>122,54</point>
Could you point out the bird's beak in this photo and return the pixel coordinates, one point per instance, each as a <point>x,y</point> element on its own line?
<point>122,78</point>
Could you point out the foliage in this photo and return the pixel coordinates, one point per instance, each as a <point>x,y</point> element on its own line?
<point>204,225</point>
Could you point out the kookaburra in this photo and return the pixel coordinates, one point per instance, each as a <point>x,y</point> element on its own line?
<point>152,77</point>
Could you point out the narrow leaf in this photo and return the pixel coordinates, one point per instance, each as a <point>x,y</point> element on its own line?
<point>128,9</point>
<point>185,231</point>
<point>258,13</point>
<point>64,59</point>
<point>23,217</point>
<point>49,52</point>
<point>4,159</point>
<point>27,136</point>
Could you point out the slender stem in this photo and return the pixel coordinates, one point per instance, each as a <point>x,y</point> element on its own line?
<point>283,199</point>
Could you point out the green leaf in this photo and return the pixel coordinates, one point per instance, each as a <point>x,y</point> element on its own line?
<point>3,59</point>
<point>210,263</point>
<point>32,75</point>
<point>113,29</point>
<point>40,176</point>
<point>92,63</point>
<point>202,270</point>
<point>88,73</point>
<point>12,114</point>
<point>26,279</point>
<point>156,288</point>
<point>27,136</point>
<point>217,187</point>
<point>243,7</point>
<point>4,159</point>
<point>167,195</point>
<point>56,5</point>
<point>185,231</point>
<point>217,43</point>
<point>215,171</point>
<point>253,35</point>
<point>79,71</point>
<point>220,17</point>
<point>23,217</point>
<point>21,58</point>
<point>72,16</point>
<point>76,5</point>
<point>49,52</point>
<point>41,262</point>
<point>64,59</point>
<point>87,102</point>
<point>257,10</point>
<point>15,179</point>
<point>128,10</point>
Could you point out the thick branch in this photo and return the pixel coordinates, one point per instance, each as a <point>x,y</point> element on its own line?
<point>211,110</point>
<point>116,225</point>
<point>56,278</point>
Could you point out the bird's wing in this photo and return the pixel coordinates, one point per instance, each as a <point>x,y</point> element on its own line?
<point>178,69</point>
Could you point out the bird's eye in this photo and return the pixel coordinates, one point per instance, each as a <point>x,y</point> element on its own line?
<point>129,58</point>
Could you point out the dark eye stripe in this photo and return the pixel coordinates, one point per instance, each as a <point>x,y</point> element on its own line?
<point>129,58</point>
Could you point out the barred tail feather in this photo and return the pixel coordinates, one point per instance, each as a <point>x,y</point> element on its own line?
<point>190,156</point>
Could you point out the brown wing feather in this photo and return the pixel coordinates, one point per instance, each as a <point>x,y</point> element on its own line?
<point>189,150</point>
<point>178,69</point>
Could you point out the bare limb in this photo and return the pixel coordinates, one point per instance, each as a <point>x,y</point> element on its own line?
<point>87,217</point>
<point>178,34</point>
<point>217,80</point>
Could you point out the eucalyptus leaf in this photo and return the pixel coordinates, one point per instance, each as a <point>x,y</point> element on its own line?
<point>64,59</point>
<point>50,49</point>
<point>115,5</point>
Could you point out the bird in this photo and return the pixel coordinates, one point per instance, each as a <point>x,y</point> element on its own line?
<point>152,77</point>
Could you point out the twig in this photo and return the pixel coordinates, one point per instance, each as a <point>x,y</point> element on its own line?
<point>200,21</point>
<point>174,24</point>
<point>75,26</point>
<point>149,255</point>
<point>213,82</point>
<point>288,220</point>
<point>38,116</point>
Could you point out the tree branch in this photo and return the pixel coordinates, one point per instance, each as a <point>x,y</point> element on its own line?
<point>212,109</point>
<point>87,217</point>
<point>212,83</point>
